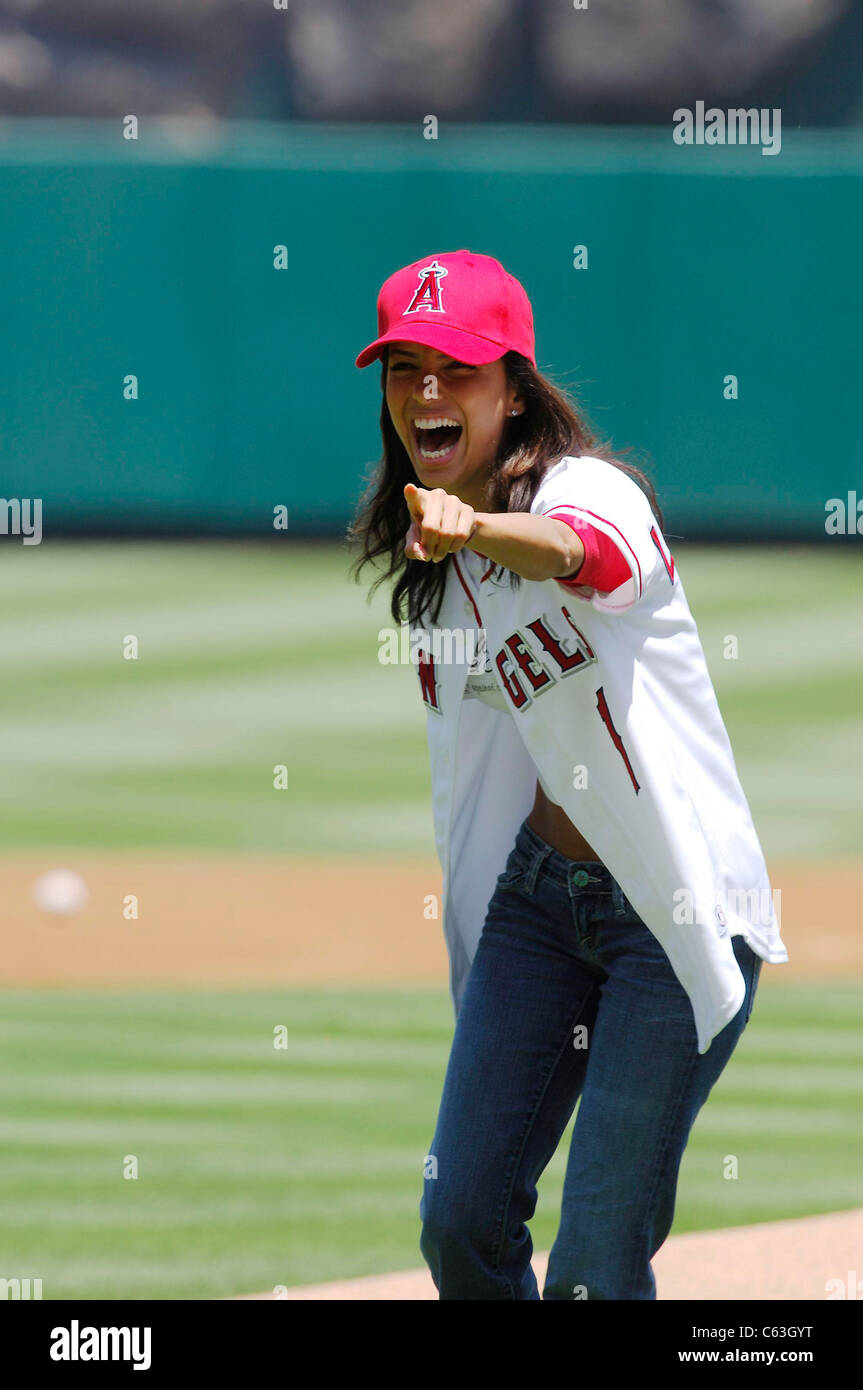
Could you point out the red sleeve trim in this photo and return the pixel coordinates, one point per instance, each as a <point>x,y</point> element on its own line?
<point>604,567</point>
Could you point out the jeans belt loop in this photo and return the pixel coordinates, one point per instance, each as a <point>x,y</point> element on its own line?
<point>536,863</point>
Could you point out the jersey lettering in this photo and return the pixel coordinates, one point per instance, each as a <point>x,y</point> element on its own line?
<point>523,673</point>
<point>536,673</point>
<point>605,716</point>
<point>582,640</point>
<point>511,683</point>
<point>429,683</point>
<point>551,643</point>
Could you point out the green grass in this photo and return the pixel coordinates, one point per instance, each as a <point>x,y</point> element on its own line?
<point>259,1167</point>
<point>251,657</point>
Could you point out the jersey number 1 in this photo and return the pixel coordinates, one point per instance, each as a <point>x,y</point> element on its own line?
<point>605,716</point>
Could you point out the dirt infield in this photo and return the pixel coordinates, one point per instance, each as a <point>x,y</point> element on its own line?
<point>244,920</point>
<point>234,921</point>
<point>776,1259</point>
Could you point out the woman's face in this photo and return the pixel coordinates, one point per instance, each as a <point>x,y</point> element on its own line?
<point>425,387</point>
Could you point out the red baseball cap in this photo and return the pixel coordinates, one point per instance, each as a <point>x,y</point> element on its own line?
<point>461,303</point>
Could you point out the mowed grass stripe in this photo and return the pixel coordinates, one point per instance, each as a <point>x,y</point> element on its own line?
<point>767,577</point>
<point>768,650</point>
<point>224,811</point>
<point>242,716</point>
<point>838,1044</point>
<point>255,656</point>
<point>208,635</point>
<point>85,1168</point>
<point>113,571</point>
<point>257,1168</point>
<point>793,706</point>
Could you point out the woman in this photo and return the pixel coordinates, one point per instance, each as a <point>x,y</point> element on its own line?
<point>606,901</point>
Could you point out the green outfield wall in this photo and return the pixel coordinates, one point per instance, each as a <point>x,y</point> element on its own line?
<point>154,259</point>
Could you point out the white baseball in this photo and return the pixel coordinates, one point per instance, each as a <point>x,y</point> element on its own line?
<point>60,890</point>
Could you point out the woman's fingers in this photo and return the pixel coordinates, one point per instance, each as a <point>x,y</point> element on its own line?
<point>432,522</point>
<point>413,546</point>
<point>456,527</point>
<point>458,522</point>
<point>415,498</point>
<point>466,524</point>
<point>440,525</point>
<point>426,513</point>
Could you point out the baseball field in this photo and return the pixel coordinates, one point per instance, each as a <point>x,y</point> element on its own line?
<point>222,1071</point>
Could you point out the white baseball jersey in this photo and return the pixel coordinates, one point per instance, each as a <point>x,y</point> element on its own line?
<point>606,698</point>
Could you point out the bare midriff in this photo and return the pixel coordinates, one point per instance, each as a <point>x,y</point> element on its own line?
<point>553,825</point>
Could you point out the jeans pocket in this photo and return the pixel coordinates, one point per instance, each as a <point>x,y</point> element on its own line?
<point>620,902</point>
<point>514,875</point>
<point>754,976</point>
<point>511,880</point>
<point>750,967</point>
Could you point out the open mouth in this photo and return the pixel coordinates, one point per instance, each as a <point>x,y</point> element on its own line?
<point>436,437</point>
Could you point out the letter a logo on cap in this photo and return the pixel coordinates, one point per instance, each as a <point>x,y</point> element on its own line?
<point>427,295</point>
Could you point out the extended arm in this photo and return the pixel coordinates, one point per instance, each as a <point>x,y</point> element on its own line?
<point>536,547</point>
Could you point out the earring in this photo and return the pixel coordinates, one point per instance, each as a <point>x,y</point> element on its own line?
<point>513,412</point>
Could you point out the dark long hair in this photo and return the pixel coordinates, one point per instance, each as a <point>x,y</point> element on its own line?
<point>551,427</point>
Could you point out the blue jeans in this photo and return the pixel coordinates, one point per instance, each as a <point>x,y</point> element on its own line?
<point>569,995</point>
